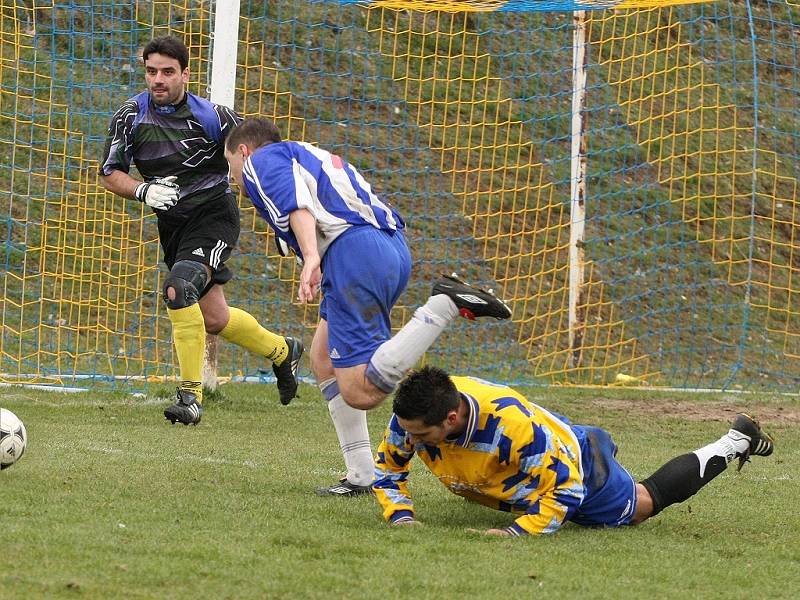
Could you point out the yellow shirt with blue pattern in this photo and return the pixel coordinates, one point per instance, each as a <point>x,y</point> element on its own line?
<point>512,456</point>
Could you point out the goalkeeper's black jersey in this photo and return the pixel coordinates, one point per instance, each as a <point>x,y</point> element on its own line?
<point>163,141</point>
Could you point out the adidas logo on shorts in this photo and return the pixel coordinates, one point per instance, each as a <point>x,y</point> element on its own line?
<point>335,353</point>
<point>199,252</point>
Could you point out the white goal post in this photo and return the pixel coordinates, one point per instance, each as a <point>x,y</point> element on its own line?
<point>222,90</point>
<point>577,189</point>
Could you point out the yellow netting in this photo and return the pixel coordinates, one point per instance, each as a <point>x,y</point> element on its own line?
<point>667,95</point>
<point>520,5</point>
<point>83,299</point>
<point>81,277</point>
<point>459,100</point>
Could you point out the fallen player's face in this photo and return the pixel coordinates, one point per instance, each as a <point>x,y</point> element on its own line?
<point>420,433</point>
<point>165,80</point>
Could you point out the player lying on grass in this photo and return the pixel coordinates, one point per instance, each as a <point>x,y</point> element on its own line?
<point>489,444</point>
<point>176,140</point>
<point>353,248</point>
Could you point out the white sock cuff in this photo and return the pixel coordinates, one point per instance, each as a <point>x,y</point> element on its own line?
<point>725,446</point>
<point>329,388</point>
<point>439,307</point>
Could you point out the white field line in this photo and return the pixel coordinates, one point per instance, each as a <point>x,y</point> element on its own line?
<point>136,402</point>
<point>152,456</point>
<point>138,455</point>
<point>44,387</point>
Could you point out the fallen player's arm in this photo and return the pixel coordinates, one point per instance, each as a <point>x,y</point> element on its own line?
<point>391,476</point>
<point>399,519</point>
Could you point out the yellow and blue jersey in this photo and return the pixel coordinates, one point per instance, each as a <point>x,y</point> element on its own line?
<point>513,456</point>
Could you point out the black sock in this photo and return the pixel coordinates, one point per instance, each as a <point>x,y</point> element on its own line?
<point>680,479</point>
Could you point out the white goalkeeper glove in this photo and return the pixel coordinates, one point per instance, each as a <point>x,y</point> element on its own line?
<point>161,193</point>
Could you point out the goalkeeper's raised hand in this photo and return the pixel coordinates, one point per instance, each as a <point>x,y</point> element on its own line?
<point>160,194</point>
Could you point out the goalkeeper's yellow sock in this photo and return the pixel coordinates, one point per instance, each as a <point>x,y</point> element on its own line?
<point>243,330</point>
<point>189,331</point>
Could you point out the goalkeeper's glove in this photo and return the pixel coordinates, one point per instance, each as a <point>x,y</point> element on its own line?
<point>160,194</point>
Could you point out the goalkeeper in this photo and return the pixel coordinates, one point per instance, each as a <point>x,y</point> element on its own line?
<point>489,444</point>
<point>176,141</point>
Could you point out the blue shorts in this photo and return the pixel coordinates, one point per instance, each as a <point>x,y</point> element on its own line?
<point>364,272</point>
<point>610,490</point>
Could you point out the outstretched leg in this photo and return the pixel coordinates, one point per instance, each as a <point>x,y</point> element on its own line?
<point>241,328</point>
<point>683,476</point>
<point>366,386</point>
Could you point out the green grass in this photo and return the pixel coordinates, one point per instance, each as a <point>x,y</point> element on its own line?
<point>112,502</point>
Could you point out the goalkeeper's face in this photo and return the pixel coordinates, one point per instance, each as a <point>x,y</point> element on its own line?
<point>165,80</point>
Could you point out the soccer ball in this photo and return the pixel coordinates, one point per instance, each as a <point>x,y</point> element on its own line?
<point>13,438</point>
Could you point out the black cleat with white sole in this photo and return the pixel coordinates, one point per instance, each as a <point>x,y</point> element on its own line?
<point>186,410</point>
<point>761,443</point>
<point>344,489</point>
<point>472,302</point>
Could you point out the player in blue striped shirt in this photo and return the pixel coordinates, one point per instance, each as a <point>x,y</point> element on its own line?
<point>353,248</point>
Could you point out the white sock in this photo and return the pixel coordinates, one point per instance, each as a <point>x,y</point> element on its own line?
<point>395,357</point>
<point>351,429</point>
<point>728,446</point>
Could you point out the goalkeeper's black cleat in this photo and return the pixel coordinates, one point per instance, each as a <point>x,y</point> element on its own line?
<point>286,373</point>
<point>344,489</point>
<point>472,302</point>
<point>186,410</point>
<point>761,443</point>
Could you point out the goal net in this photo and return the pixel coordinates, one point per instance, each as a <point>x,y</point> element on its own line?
<point>460,114</point>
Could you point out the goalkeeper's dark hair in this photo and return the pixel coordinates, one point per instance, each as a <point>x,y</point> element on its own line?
<point>253,133</point>
<point>168,45</point>
<point>428,394</point>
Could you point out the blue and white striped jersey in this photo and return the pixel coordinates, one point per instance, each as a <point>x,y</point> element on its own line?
<point>286,176</point>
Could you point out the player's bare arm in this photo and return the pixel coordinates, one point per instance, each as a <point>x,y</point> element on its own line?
<point>304,227</point>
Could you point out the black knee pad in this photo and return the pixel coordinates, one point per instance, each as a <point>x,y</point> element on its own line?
<point>188,278</point>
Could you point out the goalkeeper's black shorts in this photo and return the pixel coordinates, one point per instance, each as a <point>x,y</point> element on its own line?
<point>207,236</point>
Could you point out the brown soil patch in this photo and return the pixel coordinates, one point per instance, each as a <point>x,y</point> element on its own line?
<point>723,410</point>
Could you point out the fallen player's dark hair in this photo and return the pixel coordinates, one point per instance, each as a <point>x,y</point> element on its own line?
<point>428,394</point>
<point>254,133</point>
<point>168,45</point>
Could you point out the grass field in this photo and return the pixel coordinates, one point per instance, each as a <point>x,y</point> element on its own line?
<point>112,502</point>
